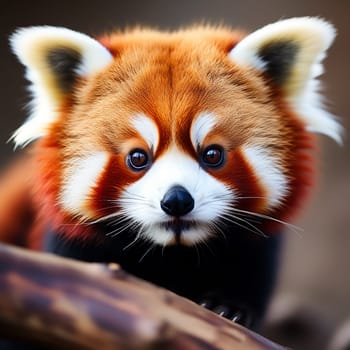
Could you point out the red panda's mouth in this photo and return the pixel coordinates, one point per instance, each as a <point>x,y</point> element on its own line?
<point>178,226</point>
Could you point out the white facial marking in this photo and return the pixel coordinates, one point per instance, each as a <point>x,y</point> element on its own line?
<point>201,127</point>
<point>80,179</point>
<point>141,200</point>
<point>269,173</point>
<point>147,129</point>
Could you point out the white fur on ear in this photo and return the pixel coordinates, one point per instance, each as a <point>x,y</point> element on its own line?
<point>33,46</point>
<point>290,52</point>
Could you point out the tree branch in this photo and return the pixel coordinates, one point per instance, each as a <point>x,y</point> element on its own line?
<point>62,303</point>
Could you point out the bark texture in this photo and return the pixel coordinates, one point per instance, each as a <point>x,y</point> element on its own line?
<point>67,304</point>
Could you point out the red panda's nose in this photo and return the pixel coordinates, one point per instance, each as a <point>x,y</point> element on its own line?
<point>177,201</point>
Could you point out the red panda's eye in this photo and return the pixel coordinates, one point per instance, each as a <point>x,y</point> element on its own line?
<point>138,159</point>
<point>213,156</point>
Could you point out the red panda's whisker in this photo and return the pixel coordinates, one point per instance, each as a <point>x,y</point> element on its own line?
<point>195,246</point>
<point>147,252</point>
<point>122,221</point>
<point>107,208</point>
<point>136,239</point>
<point>124,227</point>
<point>216,228</point>
<point>131,196</point>
<point>249,226</point>
<point>246,221</point>
<point>252,197</point>
<point>105,218</point>
<point>132,201</point>
<point>204,243</point>
<point>163,248</point>
<point>294,228</point>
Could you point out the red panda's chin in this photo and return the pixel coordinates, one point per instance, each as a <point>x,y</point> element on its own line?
<point>178,232</point>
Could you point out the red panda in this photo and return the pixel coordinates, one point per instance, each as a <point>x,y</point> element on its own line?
<point>178,154</point>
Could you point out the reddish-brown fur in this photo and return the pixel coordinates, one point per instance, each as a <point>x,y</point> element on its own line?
<point>170,77</point>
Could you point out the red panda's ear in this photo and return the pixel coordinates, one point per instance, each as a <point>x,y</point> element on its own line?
<point>290,53</point>
<point>54,58</point>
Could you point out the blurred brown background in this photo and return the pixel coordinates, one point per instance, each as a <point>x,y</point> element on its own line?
<point>313,297</point>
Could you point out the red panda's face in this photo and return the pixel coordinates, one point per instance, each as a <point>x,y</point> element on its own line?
<point>175,144</point>
<point>175,136</point>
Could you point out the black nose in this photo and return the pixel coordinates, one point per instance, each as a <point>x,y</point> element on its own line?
<point>177,201</point>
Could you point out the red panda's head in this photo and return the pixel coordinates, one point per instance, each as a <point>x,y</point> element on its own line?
<point>172,134</point>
